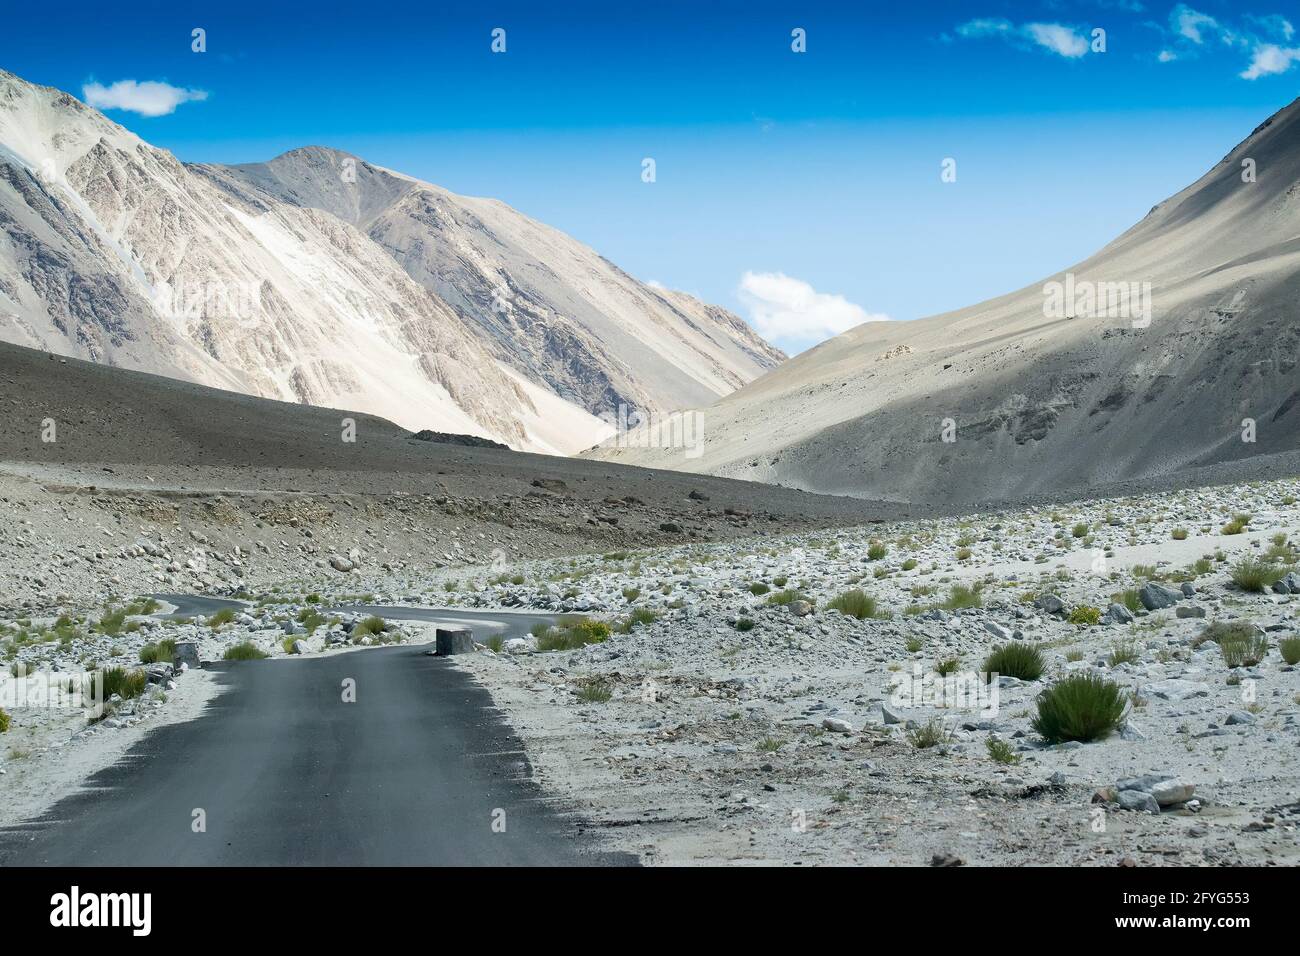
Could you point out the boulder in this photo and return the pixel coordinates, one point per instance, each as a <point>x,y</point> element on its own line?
<point>1050,604</point>
<point>159,673</point>
<point>837,725</point>
<point>1138,800</point>
<point>997,630</point>
<point>1189,610</point>
<point>1117,614</point>
<point>454,641</point>
<point>1175,689</point>
<point>185,653</point>
<point>1156,596</point>
<point>1169,793</point>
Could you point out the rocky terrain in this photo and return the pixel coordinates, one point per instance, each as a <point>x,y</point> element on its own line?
<point>725,710</point>
<point>1171,349</point>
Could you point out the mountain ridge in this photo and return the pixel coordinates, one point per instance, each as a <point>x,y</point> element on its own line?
<point>1041,403</point>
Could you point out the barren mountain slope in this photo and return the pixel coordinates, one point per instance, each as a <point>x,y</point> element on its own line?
<point>290,280</point>
<point>549,307</point>
<point>1043,402</point>
<point>280,301</point>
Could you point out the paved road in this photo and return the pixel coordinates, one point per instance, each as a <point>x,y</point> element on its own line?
<point>414,772</point>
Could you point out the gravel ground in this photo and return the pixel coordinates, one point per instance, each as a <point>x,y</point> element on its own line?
<point>690,736</point>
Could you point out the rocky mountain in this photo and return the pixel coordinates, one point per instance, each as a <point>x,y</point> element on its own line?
<point>321,279</point>
<point>548,308</point>
<point>1174,347</point>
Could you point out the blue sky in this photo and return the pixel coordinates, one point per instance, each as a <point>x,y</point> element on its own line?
<point>803,190</point>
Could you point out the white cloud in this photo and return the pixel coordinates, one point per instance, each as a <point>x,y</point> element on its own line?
<point>1192,24</point>
<point>1167,56</point>
<point>781,307</point>
<point>1274,25</point>
<point>1270,59</point>
<point>150,98</point>
<point>1065,41</point>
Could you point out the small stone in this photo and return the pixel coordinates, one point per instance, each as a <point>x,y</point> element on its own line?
<point>1138,800</point>
<point>1169,793</point>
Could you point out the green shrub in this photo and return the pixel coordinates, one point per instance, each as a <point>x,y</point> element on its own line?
<point>126,683</point>
<point>877,550</point>
<point>596,691</point>
<point>641,615</point>
<point>961,596</point>
<point>224,616</point>
<point>1252,574</point>
<point>787,597</point>
<point>1219,631</point>
<point>1129,598</point>
<point>1290,649</point>
<point>631,594</point>
<point>909,564</point>
<point>164,652</point>
<point>244,651</point>
<point>963,554</point>
<point>495,642</point>
<point>929,734</point>
<point>1180,534</point>
<point>1000,751</point>
<point>1124,652</point>
<point>1240,650</point>
<point>1086,615</point>
<point>311,619</point>
<point>287,644</point>
<point>1083,707</point>
<point>369,627</point>
<point>111,622</point>
<point>948,665</point>
<point>1079,530</point>
<point>744,624</point>
<point>855,604</point>
<point>4,722</point>
<point>1023,661</point>
<point>758,588</point>
<point>570,633</point>
<point>143,605</point>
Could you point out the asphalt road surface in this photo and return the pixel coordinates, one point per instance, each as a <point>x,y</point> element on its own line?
<point>419,770</point>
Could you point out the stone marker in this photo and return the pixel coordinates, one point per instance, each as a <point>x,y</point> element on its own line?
<point>459,641</point>
<point>185,652</point>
